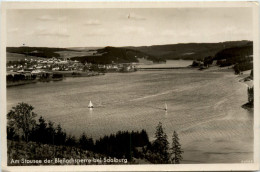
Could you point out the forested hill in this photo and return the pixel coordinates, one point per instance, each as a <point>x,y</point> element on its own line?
<point>236,54</point>
<point>188,51</point>
<point>98,56</point>
<point>155,53</point>
<point>45,52</point>
<point>240,56</point>
<point>118,55</point>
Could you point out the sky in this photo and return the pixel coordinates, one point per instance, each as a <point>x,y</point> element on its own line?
<point>126,27</point>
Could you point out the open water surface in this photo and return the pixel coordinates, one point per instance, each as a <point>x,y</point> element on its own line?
<point>203,107</point>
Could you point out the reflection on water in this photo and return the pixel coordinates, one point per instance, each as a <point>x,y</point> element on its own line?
<point>90,111</point>
<point>203,107</point>
<point>169,63</point>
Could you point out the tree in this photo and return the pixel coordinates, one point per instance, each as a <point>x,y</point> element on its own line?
<point>21,117</point>
<point>236,69</point>
<point>11,135</point>
<point>71,141</point>
<point>51,133</point>
<point>83,142</point>
<point>161,145</point>
<point>208,60</point>
<point>250,92</point>
<point>176,156</point>
<point>40,133</point>
<point>60,136</point>
<point>252,74</point>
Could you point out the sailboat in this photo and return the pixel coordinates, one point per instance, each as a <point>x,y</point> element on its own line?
<point>90,105</point>
<point>165,108</point>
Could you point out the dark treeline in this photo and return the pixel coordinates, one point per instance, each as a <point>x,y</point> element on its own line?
<point>250,92</point>
<point>27,77</point>
<point>123,144</point>
<point>47,133</point>
<point>110,55</point>
<point>240,57</point>
<point>238,68</point>
<point>19,77</point>
<point>235,55</point>
<point>120,145</point>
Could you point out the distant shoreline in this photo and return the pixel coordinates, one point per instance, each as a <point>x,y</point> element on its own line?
<point>18,83</point>
<point>65,75</point>
<point>164,68</point>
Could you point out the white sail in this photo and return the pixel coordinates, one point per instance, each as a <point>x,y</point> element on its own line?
<point>165,107</point>
<point>90,105</point>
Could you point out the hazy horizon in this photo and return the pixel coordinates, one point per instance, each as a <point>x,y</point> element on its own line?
<point>119,27</point>
<point>140,45</point>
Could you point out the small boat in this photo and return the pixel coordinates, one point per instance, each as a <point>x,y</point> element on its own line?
<point>165,108</point>
<point>90,105</point>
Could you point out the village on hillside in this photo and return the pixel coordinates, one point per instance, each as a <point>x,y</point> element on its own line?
<point>53,69</point>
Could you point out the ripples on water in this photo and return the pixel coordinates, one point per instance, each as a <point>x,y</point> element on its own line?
<point>203,107</point>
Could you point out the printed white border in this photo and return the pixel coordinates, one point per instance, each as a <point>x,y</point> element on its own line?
<point>156,4</point>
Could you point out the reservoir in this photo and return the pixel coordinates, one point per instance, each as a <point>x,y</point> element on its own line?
<point>203,107</point>
<point>168,64</point>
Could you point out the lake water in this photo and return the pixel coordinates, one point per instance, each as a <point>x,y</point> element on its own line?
<point>203,107</point>
<point>169,63</point>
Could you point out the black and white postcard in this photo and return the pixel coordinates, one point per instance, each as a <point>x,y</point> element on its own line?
<point>121,86</point>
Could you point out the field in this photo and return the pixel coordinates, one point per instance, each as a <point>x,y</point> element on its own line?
<point>17,57</point>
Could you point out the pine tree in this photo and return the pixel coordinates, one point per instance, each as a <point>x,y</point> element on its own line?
<point>51,132</point>
<point>42,131</point>
<point>83,141</point>
<point>176,154</point>
<point>161,145</point>
<point>60,136</point>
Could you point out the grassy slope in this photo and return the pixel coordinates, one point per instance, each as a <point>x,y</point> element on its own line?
<point>44,52</point>
<point>15,57</point>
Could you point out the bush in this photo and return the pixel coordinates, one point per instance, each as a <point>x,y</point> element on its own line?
<point>242,67</point>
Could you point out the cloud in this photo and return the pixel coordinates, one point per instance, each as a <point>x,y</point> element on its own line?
<point>92,22</point>
<point>55,32</point>
<point>98,32</point>
<point>134,30</point>
<point>51,18</point>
